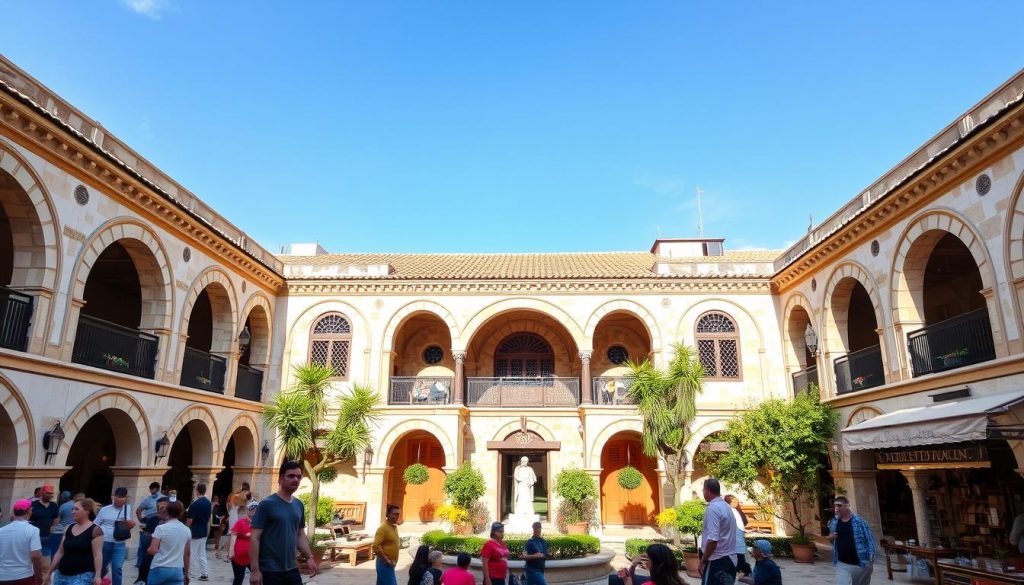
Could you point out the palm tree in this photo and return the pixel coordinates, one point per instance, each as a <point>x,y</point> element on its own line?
<point>299,415</point>
<point>667,402</point>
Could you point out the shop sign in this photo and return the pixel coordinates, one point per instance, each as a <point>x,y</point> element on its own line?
<point>932,455</point>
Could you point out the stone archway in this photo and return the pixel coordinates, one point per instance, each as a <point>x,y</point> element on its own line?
<point>418,502</point>
<point>16,428</point>
<point>635,506</point>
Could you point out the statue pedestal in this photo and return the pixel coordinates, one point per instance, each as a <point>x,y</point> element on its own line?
<point>520,523</point>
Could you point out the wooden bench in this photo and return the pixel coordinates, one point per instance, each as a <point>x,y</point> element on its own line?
<point>758,521</point>
<point>353,513</point>
<point>352,549</point>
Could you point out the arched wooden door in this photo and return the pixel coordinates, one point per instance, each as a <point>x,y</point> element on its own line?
<point>621,506</point>
<point>418,502</point>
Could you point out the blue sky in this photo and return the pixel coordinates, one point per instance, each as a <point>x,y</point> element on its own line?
<point>519,126</point>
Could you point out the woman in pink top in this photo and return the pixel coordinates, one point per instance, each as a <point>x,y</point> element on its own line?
<point>459,574</point>
<point>494,555</point>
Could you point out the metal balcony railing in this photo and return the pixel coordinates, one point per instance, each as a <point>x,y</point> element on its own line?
<point>15,318</point>
<point>859,370</point>
<point>203,370</point>
<point>961,341</point>
<point>612,389</point>
<point>804,378</point>
<point>518,392</point>
<point>110,346</point>
<point>421,390</point>
<point>249,383</point>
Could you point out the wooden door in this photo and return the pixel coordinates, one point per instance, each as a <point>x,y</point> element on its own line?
<point>621,506</point>
<point>418,502</point>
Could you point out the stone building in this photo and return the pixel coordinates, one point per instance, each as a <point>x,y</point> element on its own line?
<point>140,333</point>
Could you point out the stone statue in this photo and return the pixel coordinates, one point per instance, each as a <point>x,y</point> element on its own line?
<point>525,478</point>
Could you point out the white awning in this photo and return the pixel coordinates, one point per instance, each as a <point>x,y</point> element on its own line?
<point>955,421</point>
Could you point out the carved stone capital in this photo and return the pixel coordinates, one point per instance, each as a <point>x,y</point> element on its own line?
<point>459,356</point>
<point>585,356</point>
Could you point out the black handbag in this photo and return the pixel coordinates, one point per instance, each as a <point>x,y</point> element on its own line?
<point>122,531</point>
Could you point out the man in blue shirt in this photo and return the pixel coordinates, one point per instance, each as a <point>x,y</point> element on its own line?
<point>199,512</point>
<point>145,510</point>
<point>535,552</point>
<point>853,545</point>
<point>765,572</point>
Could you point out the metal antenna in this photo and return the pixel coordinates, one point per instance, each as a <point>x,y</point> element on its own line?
<point>700,216</point>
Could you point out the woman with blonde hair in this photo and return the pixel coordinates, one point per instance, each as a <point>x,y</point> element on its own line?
<point>79,558</point>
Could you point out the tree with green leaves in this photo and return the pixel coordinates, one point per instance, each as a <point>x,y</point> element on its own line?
<point>776,451</point>
<point>667,403</point>
<point>300,414</point>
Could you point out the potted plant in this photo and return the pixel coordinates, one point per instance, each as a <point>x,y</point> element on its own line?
<point>689,519</point>
<point>464,487</point>
<point>630,478</point>
<point>578,492</point>
<point>319,544</point>
<point>858,382</point>
<point>802,547</point>
<point>953,358</point>
<point>416,474</point>
<point>457,516</point>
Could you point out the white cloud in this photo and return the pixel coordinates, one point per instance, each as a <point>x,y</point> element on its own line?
<point>150,8</point>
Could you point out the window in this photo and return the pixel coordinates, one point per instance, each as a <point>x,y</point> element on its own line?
<point>718,346</point>
<point>433,355</point>
<point>331,343</point>
<point>618,355</point>
<point>524,355</point>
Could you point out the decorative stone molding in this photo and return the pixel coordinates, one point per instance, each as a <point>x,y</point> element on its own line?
<point>204,416</point>
<point>667,286</point>
<point>625,306</point>
<point>130,453</point>
<point>419,306</point>
<point>247,453</point>
<point>395,433</point>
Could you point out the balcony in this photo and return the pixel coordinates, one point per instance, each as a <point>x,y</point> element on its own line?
<point>961,341</point>
<point>203,370</point>
<point>859,370</point>
<point>249,383</point>
<point>421,390</point>
<point>803,379</point>
<point>109,346</point>
<point>609,390</point>
<point>15,317</point>
<point>538,391</point>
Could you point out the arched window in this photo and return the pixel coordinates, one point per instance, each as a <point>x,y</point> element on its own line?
<point>524,354</point>
<point>331,343</point>
<point>718,346</point>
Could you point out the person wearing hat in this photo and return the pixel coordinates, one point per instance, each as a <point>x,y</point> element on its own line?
<point>494,556</point>
<point>238,543</point>
<point>20,548</point>
<point>113,549</point>
<point>766,572</point>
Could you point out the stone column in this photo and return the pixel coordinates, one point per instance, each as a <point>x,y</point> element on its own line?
<point>204,474</point>
<point>231,371</point>
<point>19,482</point>
<point>860,488</point>
<point>586,387</point>
<point>918,481</point>
<point>460,377</point>
<point>246,474</point>
<point>137,480</point>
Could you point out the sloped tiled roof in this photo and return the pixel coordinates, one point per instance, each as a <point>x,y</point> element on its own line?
<point>612,265</point>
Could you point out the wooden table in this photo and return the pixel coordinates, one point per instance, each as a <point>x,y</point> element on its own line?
<point>352,549</point>
<point>921,552</point>
<point>949,573</point>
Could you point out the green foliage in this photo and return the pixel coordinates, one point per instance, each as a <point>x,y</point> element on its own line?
<point>479,516</point>
<point>782,443</point>
<point>780,545</point>
<point>465,485</point>
<point>416,474</point>
<point>559,547</point>
<point>324,509</point>
<point>690,517</point>
<point>638,546</point>
<point>575,485</point>
<point>327,474</point>
<point>571,513</point>
<point>356,414</point>
<point>667,403</point>
<point>630,478</point>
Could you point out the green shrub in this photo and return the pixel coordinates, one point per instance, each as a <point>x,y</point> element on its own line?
<point>637,546</point>
<point>559,547</point>
<point>690,517</point>
<point>324,509</point>
<point>465,485</point>
<point>575,485</point>
<point>416,474</point>
<point>630,477</point>
<point>780,545</point>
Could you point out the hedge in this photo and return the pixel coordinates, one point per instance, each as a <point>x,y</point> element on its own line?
<point>559,547</point>
<point>780,546</point>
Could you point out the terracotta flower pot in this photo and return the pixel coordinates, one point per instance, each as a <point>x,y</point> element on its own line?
<point>577,528</point>
<point>803,553</point>
<point>692,562</point>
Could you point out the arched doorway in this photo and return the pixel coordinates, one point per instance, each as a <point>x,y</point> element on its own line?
<point>209,341</point>
<point>8,439</point>
<point>192,446</point>
<point>101,443</point>
<point>22,262</point>
<point>109,333</point>
<point>253,358</point>
<point>798,354</point>
<point>855,324</point>
<point>635,507</point>
<point>418,502</point>
<point>945,285</point>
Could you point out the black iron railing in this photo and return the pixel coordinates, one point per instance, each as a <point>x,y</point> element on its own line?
<point>612,389</point>
<point>803,379</point>
<point>518,392</point>
<point>961,341</point>
<point>421,390</point>
<point>203,370</point>
<point>110,346</point>
<point>15,318</point>
<point>859,370</point>
<point>249,383</point>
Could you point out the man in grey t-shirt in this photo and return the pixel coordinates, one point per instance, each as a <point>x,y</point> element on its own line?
<point>277,533</point>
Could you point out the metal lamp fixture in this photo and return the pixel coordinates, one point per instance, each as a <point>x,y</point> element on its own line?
<point>368,456</point>
<point>811,340</point>
<point>264,453</point>
<point>161,447</point>
<point>52,440</point>
<point>244,338</point>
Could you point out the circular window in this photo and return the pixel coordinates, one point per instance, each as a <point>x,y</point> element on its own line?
<point>874,248</point>
<point>617,354</point>
<point>983,185</point>
<point>81,195</point>
<point>433,354</point>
